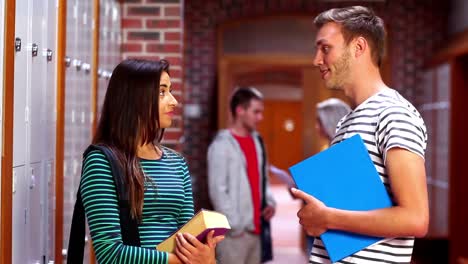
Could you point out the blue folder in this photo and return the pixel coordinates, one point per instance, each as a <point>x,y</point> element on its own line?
<point>344,177</point>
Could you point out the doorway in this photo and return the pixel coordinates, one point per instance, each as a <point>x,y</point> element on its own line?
<point>250,53</point>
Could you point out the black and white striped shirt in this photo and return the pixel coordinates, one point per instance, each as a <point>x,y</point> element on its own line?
<point>384,121</point>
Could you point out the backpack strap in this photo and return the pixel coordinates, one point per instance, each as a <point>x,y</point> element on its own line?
<point>128,225</point>
<point>76,242</point>
<point>265,235</point>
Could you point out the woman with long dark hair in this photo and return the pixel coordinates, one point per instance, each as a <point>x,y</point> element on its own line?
<point>138,106</point>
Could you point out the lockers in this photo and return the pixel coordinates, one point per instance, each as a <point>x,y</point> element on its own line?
<point>20,213</point>
<point>34,129</point>
<point>31,211</point>
<point>109,48</point>
<point>51,90</point>
<point>36,87</point>
<point>22,75</point>
<point>37,223</point>
<point>35,114</point>
<point>51,198</point>
<point>77,102</point>
<point>78,108</point>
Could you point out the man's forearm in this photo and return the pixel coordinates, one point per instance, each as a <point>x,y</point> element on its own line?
<point>389,222</point>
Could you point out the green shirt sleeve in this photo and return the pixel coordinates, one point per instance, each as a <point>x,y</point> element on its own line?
<point>187,211</point>
<point>102,212</point>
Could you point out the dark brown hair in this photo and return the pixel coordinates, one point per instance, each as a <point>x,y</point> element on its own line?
<point>130,116</point>
<point>242,96</point>
<point>358,21</point>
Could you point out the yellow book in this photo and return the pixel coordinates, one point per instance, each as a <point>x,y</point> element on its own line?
<point>199,226</point>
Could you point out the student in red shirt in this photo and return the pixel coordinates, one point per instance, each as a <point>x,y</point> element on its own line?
<point>237,179</point>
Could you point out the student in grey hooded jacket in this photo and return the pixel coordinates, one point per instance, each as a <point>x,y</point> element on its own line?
<point>235,177</point>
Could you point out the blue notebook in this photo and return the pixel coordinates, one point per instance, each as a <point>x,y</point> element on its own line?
<point>344,177</point>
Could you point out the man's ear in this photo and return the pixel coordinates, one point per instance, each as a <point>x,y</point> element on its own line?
<point>239,110</point>
<point>360,46</point>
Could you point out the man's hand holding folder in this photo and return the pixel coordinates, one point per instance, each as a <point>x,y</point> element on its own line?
<point>313,215</point>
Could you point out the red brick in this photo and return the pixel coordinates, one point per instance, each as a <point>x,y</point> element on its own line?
<point>162,48</point>
<point>164,1</point>
<point>143,10</point>
<point>132,23</point>
<point>144,57</point>
<point>176,84</point>
<point>172,135</point>
<point>172,11</point>
<point>175,73</point>
<point>132,47</point>
<point>174,61</point>
<point>142,35</point>
<point>162,23</point>
<point>172,36</point>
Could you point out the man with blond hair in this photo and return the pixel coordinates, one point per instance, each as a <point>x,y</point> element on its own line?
<point>349,50</point>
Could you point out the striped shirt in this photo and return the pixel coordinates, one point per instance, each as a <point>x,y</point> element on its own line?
<point>168,204</point>
<point>384,121</point>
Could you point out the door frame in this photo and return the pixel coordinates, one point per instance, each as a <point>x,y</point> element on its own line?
<point>313,88</point>
<point>456,54</point>
<point>6,180</point>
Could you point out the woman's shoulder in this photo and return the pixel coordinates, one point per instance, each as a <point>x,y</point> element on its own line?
<point>95,155</point>
<point>172,154</point>
<point>96,169</point>
<point>95,159</point>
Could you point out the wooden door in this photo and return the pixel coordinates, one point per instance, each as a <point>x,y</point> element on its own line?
<point>458,231</point>
<point>282,131</point>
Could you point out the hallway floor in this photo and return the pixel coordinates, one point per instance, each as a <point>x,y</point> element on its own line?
<point>286,229</point>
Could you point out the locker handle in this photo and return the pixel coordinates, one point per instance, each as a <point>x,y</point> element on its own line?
<point>35,49</point>
<point>49,55</point>
<point>14,181</point>
<point>67,61</point>
<point>17,44</point>
<point>77,64</point>
<point>86,67</point>
<point>32,182</point>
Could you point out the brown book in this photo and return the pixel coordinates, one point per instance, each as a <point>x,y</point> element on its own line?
<point>199,226</point>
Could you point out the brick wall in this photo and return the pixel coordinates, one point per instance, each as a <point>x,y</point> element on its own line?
<point>417,28</point>
<point>184,32</point>
<point>152,29</point>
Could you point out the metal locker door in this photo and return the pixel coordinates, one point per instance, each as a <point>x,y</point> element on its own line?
<point>88,25</point>
<point>20,215</point>
<point>22,73</point>
<point>36,218</point>
<point>51,87</point>
<point>37,85</point>
<point>50,225</point>
<point>72,75</point>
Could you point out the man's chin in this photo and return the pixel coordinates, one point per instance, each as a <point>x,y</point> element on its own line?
<point>332,86</point>
<point>251,129</point>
